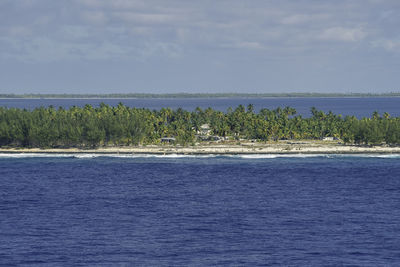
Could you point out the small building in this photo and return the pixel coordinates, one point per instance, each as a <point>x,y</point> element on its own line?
<point>204,129</point>
<point>329,138</point>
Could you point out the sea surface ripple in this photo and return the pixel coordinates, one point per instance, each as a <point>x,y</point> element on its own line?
<point>200,211</point>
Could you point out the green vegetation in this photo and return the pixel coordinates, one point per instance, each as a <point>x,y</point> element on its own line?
<point>199,95</point>
<point>124,126</point>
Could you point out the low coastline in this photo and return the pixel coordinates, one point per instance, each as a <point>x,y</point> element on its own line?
<point>309,147</point>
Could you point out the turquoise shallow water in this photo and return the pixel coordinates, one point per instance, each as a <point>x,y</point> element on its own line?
<point>186,210</point>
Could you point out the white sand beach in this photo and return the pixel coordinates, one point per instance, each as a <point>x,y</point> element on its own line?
<point>282,147</point>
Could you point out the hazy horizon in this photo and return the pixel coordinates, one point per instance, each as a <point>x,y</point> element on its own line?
<point>208,94</point>
<point>154,46</point>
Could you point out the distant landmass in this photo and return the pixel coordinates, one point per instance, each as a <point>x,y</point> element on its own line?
<point>104,126</point>
<point>200,95</point>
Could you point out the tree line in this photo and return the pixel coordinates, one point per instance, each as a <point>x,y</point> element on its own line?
<point>120,125</point>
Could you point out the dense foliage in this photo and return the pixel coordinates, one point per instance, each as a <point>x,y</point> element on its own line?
<point>121,125</point>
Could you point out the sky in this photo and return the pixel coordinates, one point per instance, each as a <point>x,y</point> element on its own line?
<point>199,46</point>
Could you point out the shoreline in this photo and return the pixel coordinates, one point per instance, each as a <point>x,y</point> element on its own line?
<point>217,149</point>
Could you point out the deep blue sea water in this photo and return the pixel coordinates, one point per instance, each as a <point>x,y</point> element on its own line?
<point>199,211</point>
<point>360,107</point>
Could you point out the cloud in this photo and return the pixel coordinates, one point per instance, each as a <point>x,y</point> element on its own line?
<point>343,34</point>
<point>265,40</point>
<point>168,28</point>
<point>44,49</point>
<point>245,45</point>
<point>388,45</point>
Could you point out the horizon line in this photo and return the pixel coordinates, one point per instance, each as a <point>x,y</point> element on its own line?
<point>192,95</point>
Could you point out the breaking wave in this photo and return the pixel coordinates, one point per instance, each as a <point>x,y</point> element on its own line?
<point>177,156</point>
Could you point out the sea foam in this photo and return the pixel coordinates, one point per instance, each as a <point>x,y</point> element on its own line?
<point>178,156</point>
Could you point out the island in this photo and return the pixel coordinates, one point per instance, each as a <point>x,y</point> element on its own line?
<point>124,130</point>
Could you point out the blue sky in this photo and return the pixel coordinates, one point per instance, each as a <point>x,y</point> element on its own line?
<point>169,46</point>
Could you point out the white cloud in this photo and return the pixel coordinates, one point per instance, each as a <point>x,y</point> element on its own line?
<point>44,49</point>
<point>343,34</point>
<point>388,45</point>
<point>245,37</point>
<point>249,45</point>
<point>170,27</point>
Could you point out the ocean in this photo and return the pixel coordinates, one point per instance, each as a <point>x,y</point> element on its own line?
<point>359,107</point>
<point>258,210</point>
<point>176,210</point>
